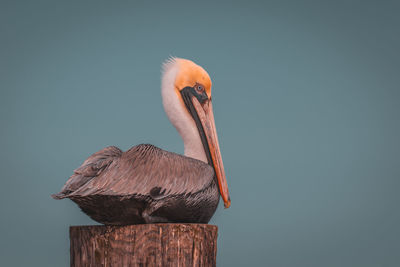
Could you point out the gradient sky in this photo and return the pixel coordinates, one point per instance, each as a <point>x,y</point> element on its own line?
<point>306,99</point>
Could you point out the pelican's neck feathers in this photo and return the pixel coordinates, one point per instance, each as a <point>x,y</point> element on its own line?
<point>177,113</point>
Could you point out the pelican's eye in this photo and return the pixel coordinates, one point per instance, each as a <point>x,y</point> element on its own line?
<point>199,88</point>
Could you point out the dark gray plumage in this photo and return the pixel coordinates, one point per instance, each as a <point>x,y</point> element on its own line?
<point>143,185</point>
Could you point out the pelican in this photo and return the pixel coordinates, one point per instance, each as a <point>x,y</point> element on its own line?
<point>146,184</point>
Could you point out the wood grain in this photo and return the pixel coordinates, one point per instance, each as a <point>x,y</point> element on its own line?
<point>144,245</point>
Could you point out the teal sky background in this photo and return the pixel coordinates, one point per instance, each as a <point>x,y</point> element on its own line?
<point>306,99</point>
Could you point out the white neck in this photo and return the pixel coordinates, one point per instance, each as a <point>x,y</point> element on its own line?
<point>178,114</point>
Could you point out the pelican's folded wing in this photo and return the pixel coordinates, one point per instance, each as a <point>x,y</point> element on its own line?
<point>91,168</point>
<point>149,171</point>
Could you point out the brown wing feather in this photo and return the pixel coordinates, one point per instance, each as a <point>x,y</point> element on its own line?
<point>149,171</point>
<point>91,168</point>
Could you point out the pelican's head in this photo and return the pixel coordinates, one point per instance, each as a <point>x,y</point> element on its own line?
<point>186,93</point>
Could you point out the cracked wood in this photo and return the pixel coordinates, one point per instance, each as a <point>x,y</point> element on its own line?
<point>144,245</point>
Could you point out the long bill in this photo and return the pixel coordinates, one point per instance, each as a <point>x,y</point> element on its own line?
<point>209,138</point>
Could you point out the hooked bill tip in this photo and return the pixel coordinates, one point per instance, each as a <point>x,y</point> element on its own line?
<point>227,204</point>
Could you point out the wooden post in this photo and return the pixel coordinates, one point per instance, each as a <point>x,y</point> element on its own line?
<point>144,245</point>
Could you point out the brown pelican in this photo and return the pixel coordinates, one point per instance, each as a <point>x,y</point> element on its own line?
<point>146,184</point>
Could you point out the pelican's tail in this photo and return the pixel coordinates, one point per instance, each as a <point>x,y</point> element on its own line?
<point>59,196</point>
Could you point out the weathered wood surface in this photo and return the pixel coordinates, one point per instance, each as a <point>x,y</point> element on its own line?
<point>144,245</point>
